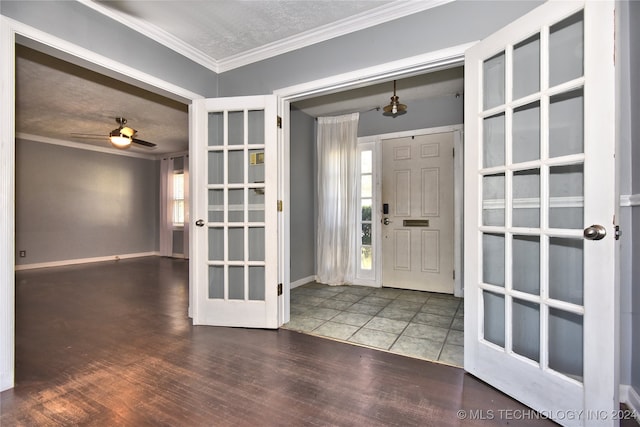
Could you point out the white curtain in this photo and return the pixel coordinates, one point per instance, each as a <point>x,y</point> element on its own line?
<point>166,213</point>
<point>187,218</point>
<point>337,198</point>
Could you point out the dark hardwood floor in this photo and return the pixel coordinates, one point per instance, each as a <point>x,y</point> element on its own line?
<point>110,344</point>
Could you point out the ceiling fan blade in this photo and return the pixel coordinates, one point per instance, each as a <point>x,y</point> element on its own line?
<point>143,143</point>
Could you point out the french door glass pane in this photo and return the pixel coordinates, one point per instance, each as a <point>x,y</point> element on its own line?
<point>526,329</point>
<point>236,244</point>
<point>566,196</point>
<point>256,283</point>
<point>526,67</point>
<point>526,264</point>
<point>494,75</point>
<point>216,205</point>
<point>493,259</point>
<point>236,127</point>
<point>216,167</point>
<point>565,269</point>
<point>236,167</point>
<point>255,124</point>
<point>565,343</point>
<point>493,141</point>
<point>216,244</point>
<point>493,200</point>
<point>236,282</point>
<point>256,205</point>
<point>256,171</point>
<point>493,317</point>
<point>566,51</point>
<point>526,133</point>
<point>526,198</point>
<point>236,205</point>
<point>566,124</point>
<point>257,244</point>
<point>216,129</point>
<point>216,282</point>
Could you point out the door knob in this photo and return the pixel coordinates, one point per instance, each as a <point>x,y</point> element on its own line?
<point>386,221</point>
<point>595,232</point>
<point>200,223</point>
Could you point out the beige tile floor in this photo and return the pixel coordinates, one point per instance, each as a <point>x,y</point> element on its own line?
<point>417,324</point>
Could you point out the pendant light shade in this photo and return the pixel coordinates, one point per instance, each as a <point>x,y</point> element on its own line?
<point>394,108</point>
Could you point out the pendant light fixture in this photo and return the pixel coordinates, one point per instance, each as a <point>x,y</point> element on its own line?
<point>394,108</point>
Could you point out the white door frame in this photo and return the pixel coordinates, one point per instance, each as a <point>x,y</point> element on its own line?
<point>10,31</point>
<point>458,196</point>
<point>412,66</point>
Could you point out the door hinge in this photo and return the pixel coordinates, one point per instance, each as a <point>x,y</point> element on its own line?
<point>279,289</point>
<point>279,205</point>
<point>279,122</point>
<point>618,232</point>
<point>454,275</point>
<point>454,152</point>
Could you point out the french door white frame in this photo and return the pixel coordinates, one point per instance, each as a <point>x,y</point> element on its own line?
<point>458,198</point>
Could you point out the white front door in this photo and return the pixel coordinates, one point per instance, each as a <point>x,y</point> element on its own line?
<point>234,163</point>
<point>417,228</point>
<point>540,209</point>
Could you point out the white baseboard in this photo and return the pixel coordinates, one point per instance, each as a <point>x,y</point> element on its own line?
<point>630,397</point>
<point>83,261</point>
<point>303,281</point>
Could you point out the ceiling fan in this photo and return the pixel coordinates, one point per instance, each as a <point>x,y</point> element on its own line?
<point>122,137</point>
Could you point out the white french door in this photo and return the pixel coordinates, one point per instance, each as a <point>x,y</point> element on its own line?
<point>234,188</point>
<point>540,207</point>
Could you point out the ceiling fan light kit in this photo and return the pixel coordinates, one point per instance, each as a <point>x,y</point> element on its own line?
<point>122,137</point>
<point>120,141</point>
<point>395,108</point>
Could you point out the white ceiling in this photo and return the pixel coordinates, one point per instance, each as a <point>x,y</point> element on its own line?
<point>55,99</point>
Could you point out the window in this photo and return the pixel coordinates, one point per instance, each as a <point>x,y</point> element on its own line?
<point>178,199</point>
<point>367,223</point>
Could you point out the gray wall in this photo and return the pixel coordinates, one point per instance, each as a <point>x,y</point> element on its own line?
<point>303,195</point>
<point>74,204</point>
<point>422,114</point>
<point>78,24</point>
<point>442,27</point>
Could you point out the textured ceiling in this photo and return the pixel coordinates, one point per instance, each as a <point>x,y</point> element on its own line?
<point>56,99</point>
<point>225,28</point>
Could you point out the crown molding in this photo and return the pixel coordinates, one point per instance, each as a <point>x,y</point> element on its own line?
<point>379,15</point>
<point>396,9</point>
<point>156,33</point>
<point>81,146</point>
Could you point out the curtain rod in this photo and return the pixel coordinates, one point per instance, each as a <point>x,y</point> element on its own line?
<point>351,112</point>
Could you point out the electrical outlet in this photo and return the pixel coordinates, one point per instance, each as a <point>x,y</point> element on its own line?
<point>23,254</point>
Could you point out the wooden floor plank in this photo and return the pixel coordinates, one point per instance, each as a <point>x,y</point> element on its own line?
<point>109,344</point>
